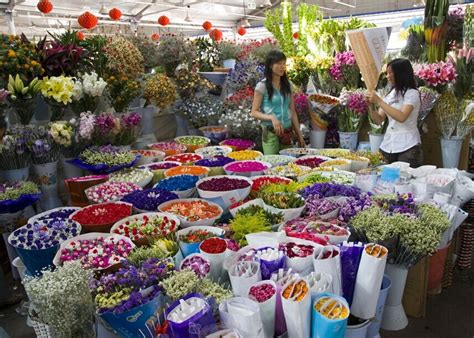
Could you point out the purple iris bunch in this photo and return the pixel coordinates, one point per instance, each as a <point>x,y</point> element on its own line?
<point>400,204</point>
<point>353,205</point>
<point>321,190</point>
<point>149,273</point>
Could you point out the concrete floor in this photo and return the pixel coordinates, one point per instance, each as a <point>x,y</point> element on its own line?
<point>448,315</point>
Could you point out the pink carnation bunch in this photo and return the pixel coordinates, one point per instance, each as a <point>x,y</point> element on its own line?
<point>436,74</point>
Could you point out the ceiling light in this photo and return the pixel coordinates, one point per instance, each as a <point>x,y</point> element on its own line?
<point>188,16</point>
<point>245,23</point>
<point>103,10</point>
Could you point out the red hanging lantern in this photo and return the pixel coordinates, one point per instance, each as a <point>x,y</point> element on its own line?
<point>164,20</point>
<point>155,36</point>
<point>207,26</point>
<point>296,35</point>
<point>44,6</point>
<point>80,36</point>
<point>87,20</point>
<point>242,31</point>
<point>115,14</point>
<point>216,34</point>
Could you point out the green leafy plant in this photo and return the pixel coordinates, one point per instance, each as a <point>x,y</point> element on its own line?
<point>256,209</point>
<point>246,224</point>
<point>228,50</point>
<point>415,49</point>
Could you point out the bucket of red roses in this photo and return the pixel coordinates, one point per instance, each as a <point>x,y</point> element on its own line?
<point>185,158</point>
<point>158,169</point>
<point>97,251</point>
<point>246,168</point>
<point>100,217</point>
<point>291,205</point>
<point>77,186</point>
<point>224,190</point>
<point>190,238</point>
<point>238,144</point>
<point>313,229</point>
<point>143,228</point>
<point>110,191</point>
<point>214,250</point>
<point>105,159</point>
<point>148,200</point>
<point>37,243</point>
<point>61,213</point>
<point>193,142</point>
<point>193,211</point>
<point>215,164</point>
<point>139,176</point>
<point>149,156</point>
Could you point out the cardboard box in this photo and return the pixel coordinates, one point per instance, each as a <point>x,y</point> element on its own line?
<point>414,297</point>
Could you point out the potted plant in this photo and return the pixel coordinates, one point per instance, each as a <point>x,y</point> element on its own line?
<point>228,52</point>
<point>354,107</point>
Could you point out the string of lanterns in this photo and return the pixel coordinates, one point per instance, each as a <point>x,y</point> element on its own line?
<point>89,21</point>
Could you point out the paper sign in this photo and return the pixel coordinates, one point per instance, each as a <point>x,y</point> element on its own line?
<point>369,46</point>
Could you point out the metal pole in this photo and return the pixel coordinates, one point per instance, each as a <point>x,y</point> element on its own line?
<point>10,22</point>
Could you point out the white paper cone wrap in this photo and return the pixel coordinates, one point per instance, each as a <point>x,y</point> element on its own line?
<point>300,265</point>
<point>241,284</point>
<point>367,285</point>
<point>297,315</point>
<point>319,282</point>
<point>267,310</point>
<point>242,314</point>
<point>330,266</point>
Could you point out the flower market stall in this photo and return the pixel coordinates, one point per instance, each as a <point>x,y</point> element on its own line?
<point>137,198</point>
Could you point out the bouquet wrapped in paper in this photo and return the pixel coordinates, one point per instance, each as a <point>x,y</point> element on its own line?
<point>329,316</point>
<point>281,278</point>
<point>264,293</point>
<point>296,302</point>
<point>319,282</point>
<point>350,259</point>
<point>242,275</point>
<point>328,260</point>
<point>369,279</point>
<point>188,315</point>
<point>242,314</point>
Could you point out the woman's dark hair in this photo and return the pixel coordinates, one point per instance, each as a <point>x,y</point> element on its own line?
<point>403,75</point>
<point>273,57</point>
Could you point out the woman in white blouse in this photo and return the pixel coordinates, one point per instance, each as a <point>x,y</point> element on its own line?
<point>402,141</point>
